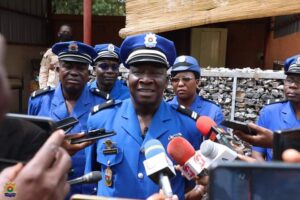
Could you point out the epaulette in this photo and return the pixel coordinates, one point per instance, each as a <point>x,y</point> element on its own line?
<point>101,94</point>
<point>270,102</point>
<point>105,105</point>
<point>41,91</point>
<point>186,111</point>
<point>211,101</point>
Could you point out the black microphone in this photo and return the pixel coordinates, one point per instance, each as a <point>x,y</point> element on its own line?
<point>92,177</point>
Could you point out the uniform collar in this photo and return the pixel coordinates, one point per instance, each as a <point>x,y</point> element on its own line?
<point>288,114</point>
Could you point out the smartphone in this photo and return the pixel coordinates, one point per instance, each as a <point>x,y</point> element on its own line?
<point>66,124</point>
<point>241,126</point>
<point>256,181</point>
<point>93,135</point>
<point>285,139</point>
<point>46,123</point>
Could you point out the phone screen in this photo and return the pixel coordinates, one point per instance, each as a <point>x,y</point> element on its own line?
<point>256,181</point>
<point>236,125</point>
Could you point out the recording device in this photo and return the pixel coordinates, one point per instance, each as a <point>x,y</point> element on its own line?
<point>66,124</point>
<point>236,125</point>
<point>46,123</point>
<point>93,135</point>
<point>285,139</point>
<point>256,181</point>
<point>193,162</point>
<point>92,177</point>
<point>159,168</point>
<point>210,129</point>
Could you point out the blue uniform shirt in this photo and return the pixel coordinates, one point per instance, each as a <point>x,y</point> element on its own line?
<point>204,107</point>
<point>276,116</point>
<point>52,104</point>
<point>119,91</point>
<point>129,178</point>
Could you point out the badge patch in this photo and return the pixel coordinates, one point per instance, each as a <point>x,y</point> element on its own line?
<point>111,48</point>
<point>73,47</point>
<point>150,40</point>
<point>108,177</point>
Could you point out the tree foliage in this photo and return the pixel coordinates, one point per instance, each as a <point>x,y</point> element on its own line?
<point>99,7</point>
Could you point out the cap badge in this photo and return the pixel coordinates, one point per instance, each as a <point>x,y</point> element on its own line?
<point>73,47</point>
<point>181,59</point>
<point>150,40</point>
<point>111,48</point>
<point>298,61</point>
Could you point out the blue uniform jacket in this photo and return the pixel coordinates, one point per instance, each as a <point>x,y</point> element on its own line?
<point>204,107</point>
<point>276,116</point>
<point>52,104</point>
<point>119,91</point>
<point>129,178</point>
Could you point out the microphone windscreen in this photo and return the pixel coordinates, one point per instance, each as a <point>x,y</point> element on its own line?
<point>204,124</point>
<point>94,177</point>
<point>153,147</point>
<point>180,150</point>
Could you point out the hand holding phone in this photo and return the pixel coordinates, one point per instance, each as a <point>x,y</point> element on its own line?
<point>93,135</point>
<point>240,126</point>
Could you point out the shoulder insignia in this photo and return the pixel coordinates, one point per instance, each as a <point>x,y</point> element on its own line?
<point>211,101</point>
<point>41,91</point>
<point>274,101</point>
<point>101,94</point>
<point>105,105</point>
<point>186,111</point>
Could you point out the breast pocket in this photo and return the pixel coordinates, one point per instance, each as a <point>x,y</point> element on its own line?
<point>110,162</point>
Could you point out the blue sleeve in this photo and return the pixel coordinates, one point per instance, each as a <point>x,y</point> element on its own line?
<point>219,116</point>
<point>33,106</point>
<point>261,122</point>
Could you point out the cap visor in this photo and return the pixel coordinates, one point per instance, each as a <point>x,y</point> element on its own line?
<point>142,59</point>
<point>75,59</point>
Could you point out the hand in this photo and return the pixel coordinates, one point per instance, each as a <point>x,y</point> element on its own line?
<point>291,156</point>
<point>45,175</point>
<point>161,196</point>
<point>74,148</point>
<point>9,174</point>
<point>196,193</point>
<point>264,137</point>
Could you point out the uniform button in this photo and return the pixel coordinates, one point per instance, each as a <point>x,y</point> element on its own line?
<point>95,189</point>
<point>140,175</point>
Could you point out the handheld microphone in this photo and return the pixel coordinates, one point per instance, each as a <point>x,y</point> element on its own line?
<point>159,168</point>
<point>210,129</point>
<point>193,162</point>
<point>215,152</point>
<point>92,177</point>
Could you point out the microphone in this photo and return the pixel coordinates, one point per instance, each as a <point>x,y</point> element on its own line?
<point>215,152</point>
<point>159,168</point>
<point>210,129</point>
<point>193,162</point>
<point>92,177</point>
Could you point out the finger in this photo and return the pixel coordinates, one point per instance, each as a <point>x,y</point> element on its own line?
<point>10,173</point>
<point>75,136</point>
<point>291,156</point>
<point>246,158</point>
<point>45,156</point>
<point>82,145</point>
<point>62,163</point>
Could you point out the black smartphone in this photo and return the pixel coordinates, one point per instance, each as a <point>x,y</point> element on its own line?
<point>236,125</point>
<point>268,181</point>
<point>285,139</point>
<point>93,135</point>
<point>66,124</point>
<point>46,123</point>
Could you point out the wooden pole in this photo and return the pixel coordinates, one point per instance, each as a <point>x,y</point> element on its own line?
<point>87,21</point>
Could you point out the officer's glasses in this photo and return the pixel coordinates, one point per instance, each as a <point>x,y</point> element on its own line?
<point>183,79</point>
<point>106,66</point>
<point>290,81</point>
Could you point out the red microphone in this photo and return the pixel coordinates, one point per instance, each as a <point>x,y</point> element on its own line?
<point>209,128</point>
<point>192,162</point>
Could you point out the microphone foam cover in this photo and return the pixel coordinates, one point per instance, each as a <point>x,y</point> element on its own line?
<point>153,147</point>
<point>204,124</point>
<point>180,150</point>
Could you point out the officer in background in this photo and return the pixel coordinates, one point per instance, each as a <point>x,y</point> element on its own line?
<point>185,74</point>
<point>71,98</point>
<point>107,86</point>
<point>285,114</point>
<point>136,120</point>
<point>48,75</point>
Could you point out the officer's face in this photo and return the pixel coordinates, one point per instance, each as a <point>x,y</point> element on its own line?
<point>73,76</point>
<point>147,81</point>
<point>185,85</point>
<point>292,88</point>
<point>107,73</point>
<point>4,85</point>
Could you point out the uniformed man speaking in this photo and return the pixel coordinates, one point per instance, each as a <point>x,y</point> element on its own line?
<point>143,117</point>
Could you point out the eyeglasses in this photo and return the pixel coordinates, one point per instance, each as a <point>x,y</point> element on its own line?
<point>106,66</point>
<point>290,81</point>
<point>183,79</point>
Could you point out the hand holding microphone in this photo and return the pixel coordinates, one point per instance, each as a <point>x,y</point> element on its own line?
<point>92,177</point>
